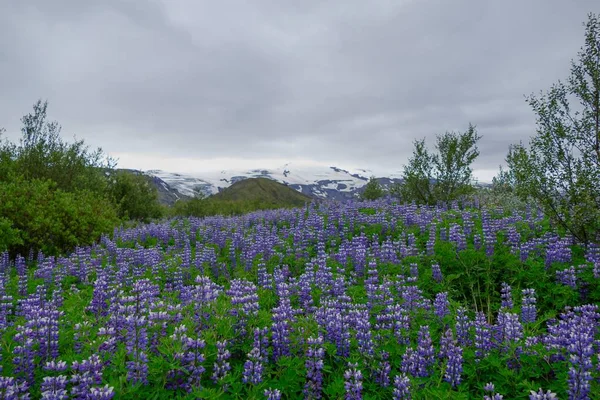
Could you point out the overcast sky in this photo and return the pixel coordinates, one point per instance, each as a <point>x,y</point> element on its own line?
<point>186,85</point>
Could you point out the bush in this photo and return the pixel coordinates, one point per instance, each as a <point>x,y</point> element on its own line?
<point>35,215</point>
<point>373,190</point>
<point>134,196</point>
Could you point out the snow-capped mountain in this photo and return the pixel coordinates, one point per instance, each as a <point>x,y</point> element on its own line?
<point>320,182</point>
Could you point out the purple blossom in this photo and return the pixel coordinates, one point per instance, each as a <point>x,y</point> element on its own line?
<point>273,394</point>
<point>401,388</point>
<point>567,277</point>
<point>221,366</point>
<point>314,368</point>
<point>353,382</point>
<point>253,368</point>
<point>483,336</point>
<point>463,326</point>
<point>441,305</point>
<point>454,365</point>
<point>540,395</point>
<point>528,308</point>
<point>54,388</point>
<point>381,374</point>
<point>101,393</point>
<point>506,296</point>
<point>436,273</point>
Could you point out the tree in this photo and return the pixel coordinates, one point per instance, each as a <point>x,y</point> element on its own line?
<point>373,190</point>
<point>134,196</point>
<point>442,176</point>
<point>43,154</point>
<point>561,168</point>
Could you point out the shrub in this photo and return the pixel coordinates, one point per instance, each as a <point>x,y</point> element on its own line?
<point>35,215</point>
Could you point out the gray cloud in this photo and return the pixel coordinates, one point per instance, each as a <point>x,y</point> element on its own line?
<point>342,81</point>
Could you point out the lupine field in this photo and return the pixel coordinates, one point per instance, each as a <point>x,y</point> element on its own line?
<point>369,300</point>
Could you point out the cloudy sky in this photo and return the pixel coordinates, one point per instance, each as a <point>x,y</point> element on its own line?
<point>188,85</point>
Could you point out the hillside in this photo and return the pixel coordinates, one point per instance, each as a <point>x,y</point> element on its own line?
<point>263,190</point>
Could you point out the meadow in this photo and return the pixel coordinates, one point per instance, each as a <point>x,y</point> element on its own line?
<point>373,300</point>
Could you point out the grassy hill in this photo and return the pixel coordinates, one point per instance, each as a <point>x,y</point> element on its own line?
<point>262,190</point>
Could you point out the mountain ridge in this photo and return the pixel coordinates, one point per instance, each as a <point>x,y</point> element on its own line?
<point>331,183</point>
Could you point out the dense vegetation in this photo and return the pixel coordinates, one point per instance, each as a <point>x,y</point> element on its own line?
<point>426,295</point>
<point>373,299</point>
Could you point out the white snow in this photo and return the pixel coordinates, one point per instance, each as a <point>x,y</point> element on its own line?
<point>209,182</point>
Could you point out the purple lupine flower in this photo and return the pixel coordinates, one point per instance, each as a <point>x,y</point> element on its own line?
<point>454,365</point>
<point>336,325</point>
<point>283,318</point>
<point>508,328</point>
<point>136,344</point>
<point>54,388</point>
<point>101,393</point>
<point>55,366</point>
<point>363,333</point>
<point>381,374</point>
<point>221,366</point>
<point>446,341</point>
<point>314,368</point>
<point>244,299</point>
<point>506,296</point>
<point>436,273</point>
<point>567,277</point>
<point>489,387</point>
<point>483,336</point>
<point>425,347</point>
<point>401,388</point>
<point>463,326</point>
<point>23,360</point>
<point>190,357</point>
<point>261,342</point>
<point>430,246</point>
<point>580,346</point>
<point>353,382</point>
<point>273,394</point>
<point>418,362</point>
<point>528,308</point>
<point>441,305</point>
<point>12,389</point>
<point>540,395</point>
<point>86,374</point>
<point>559,250</point>
<point>253,367</point>
<point>100,296</point>
<point>414,270</point>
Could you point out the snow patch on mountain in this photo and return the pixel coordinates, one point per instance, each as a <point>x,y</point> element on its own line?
<point>323,182</point>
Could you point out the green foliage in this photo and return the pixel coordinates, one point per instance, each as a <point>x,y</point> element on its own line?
<point>373,190</point>
<point>561,168</point>
<point>134,196</point>
<point>35,215</point>
<point>42,154</point>
<point>9,236</point>
<point>53,195</point>
<point>442,176</point>
<point>263,190</point>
